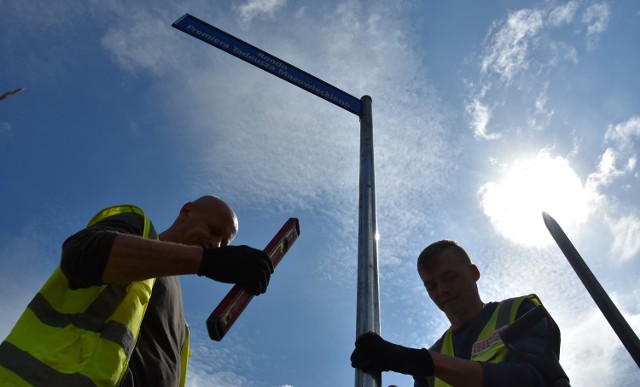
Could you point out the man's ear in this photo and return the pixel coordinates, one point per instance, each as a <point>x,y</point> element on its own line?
<point>476,272</point>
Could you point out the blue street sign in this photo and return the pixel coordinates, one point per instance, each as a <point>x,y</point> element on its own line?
<point>265,61</point>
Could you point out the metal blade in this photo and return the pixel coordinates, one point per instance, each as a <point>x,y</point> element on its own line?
<point>607,307</point>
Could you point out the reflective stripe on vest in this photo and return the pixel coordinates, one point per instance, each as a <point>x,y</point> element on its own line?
<point>488,347</point>
<point>81,337</point>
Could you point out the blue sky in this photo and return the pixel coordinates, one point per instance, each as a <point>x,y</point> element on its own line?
<point>484,114</point>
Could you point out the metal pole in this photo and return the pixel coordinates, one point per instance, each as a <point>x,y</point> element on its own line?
<point>597,292</point>
<point>368,318</point>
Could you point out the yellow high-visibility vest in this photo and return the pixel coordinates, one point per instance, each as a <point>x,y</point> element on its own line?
<point>82,337</point>
<point>488,348</point>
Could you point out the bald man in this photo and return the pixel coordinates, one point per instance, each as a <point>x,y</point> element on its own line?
<point>117,283</point>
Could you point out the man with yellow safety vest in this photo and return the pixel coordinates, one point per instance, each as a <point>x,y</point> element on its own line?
<point>112,313</point>
<point>471,352</point>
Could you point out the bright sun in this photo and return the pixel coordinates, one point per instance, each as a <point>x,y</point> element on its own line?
<point>529,187</point>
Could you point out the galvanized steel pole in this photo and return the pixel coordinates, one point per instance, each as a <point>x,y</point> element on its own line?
<point>368,307</point>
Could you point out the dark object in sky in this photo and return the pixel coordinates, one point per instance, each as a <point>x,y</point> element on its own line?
<point>599,295</point>
<point>10,93</point>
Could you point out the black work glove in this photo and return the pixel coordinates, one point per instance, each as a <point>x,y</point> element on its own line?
<point>374,354</point>
<point>238,264</point>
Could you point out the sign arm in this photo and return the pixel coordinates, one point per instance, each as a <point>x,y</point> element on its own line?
<point>267,62</point>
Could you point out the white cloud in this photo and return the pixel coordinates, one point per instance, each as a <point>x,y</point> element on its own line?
<point>617,162</point>
<point>563,14</point>
<point>581,343</point>
<point>596,17</point>
<point>592,354</point>
<point>519,54</point>
<point>542,114</point>
<point>218,365</point>
<point>619,158</point>
<point>143,42</point>
<point>626,236</point>
<point>254,8</point>
<point>625,134</point>
<point>507,53</point>
<point>197,378</point>
<point>606,171</point>
<point>480,117</point>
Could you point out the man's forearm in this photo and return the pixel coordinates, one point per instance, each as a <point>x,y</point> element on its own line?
<point>457,372</point>
<point>134,258</point>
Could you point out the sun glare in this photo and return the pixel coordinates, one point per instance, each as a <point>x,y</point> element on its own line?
<point>529,187</point>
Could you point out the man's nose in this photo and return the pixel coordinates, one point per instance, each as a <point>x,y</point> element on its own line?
<point>443,290</point>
